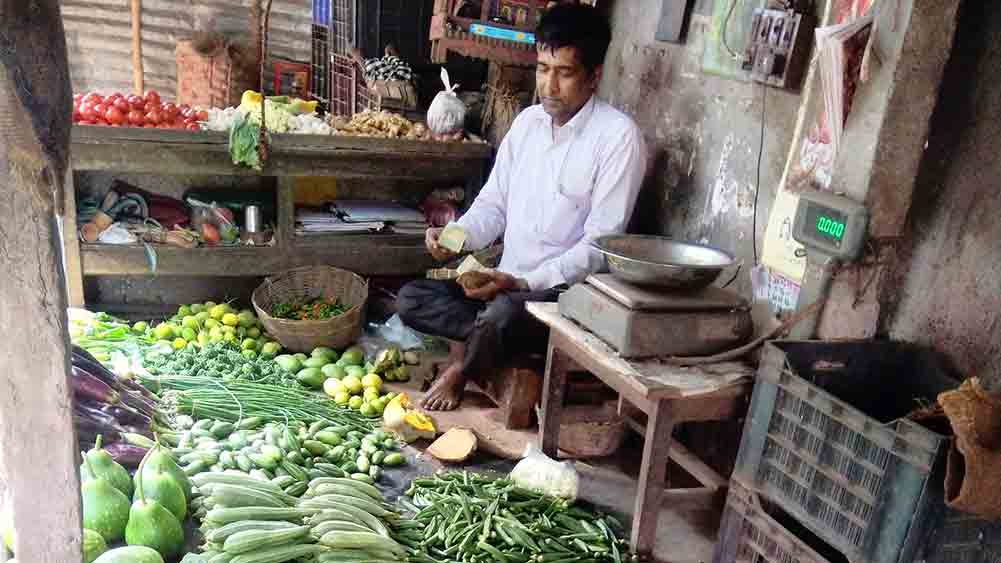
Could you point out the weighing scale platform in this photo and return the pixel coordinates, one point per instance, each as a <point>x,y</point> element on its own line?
<point>643,322</point>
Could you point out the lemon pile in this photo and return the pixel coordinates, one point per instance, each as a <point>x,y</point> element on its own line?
<point>199,324</point>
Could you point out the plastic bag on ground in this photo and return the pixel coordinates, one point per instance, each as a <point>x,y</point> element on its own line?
<point>539,472</point>
<point>447,113</point>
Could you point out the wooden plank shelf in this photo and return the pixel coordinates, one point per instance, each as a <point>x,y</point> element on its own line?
<point>370,255</point>
<point>172,152</point>
<point>164,151</point>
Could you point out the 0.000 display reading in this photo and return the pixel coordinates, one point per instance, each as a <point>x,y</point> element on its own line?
<point>830,227</point>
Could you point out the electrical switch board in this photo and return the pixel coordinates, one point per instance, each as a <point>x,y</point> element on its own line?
<point>778,50</point>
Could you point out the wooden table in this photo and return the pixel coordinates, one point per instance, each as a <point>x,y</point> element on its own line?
<point>666,394</point>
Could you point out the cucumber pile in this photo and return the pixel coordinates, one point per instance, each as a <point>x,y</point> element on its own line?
<point>289,456</point>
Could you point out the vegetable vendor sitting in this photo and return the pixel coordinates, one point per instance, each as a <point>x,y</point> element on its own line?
<point>568,171</point>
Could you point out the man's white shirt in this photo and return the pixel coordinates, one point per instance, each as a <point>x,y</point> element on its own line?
<point>554,190</point>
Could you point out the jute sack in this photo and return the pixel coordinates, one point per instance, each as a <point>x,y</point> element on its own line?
<point>973,466</point>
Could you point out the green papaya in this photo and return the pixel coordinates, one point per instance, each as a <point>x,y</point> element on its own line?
<point>150,523</point>
<point>130,554</point>
<point>105,508</point>
<point>93,545</point>
<point>103,465</point>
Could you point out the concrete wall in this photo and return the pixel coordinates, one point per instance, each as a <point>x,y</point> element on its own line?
<point>950,289</point>
<point>704,132</point>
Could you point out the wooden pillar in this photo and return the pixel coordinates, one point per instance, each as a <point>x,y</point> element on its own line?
<point>38,464</point>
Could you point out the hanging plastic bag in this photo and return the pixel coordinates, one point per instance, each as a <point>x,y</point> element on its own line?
<point>447,114</point>
<point>539,472</point>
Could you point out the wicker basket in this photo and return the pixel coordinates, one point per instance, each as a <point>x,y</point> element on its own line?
<point>311,282</point>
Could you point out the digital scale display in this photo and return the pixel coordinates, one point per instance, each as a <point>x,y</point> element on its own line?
<point>826,224</point>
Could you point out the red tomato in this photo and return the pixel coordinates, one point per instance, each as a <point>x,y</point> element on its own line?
<point>117,95</point>
<point>152,96</point>
<point>77,98</point>
<point>202,115</point>
<point>136,102</point>
<point>190,120</point>
<point>100,109</point>
<point>171,110</point>
<point>93,98</point>
<point>114,116</point>
<point>136,118</point>
<point>153,117</point>
<point>183,107</point>
<point>87,112</point>
<point>123,105</point>
<point>76,116</point>
<point>150,106</point>
<point>193,127</point>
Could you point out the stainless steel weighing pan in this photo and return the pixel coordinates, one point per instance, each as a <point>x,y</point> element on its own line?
<point>662,262</point>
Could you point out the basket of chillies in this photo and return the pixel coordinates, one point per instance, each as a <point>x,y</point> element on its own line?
<point>312,306</point>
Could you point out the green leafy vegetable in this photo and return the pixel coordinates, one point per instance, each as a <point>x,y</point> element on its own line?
<point>243,138</point>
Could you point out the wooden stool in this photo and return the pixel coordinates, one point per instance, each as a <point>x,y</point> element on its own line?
<point>516,389</point>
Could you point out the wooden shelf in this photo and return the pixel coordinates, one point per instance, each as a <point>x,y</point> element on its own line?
<point>370,255</point>
<point>165,151</point>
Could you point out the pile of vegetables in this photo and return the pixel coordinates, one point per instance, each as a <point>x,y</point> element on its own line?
<point>312,310</point>
<point>344,379</point>
<point>470,517</point>
<point>104,336</point>
<point>232,401</point>
<point>160,495</point>
<point>216,360</point>
<point>200,324</point>
<point>115,407</point>
<point>119,110</point>
<point>286,454</point>
<point>336,520</point>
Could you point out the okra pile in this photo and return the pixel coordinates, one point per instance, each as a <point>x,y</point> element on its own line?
<point>474,518</point>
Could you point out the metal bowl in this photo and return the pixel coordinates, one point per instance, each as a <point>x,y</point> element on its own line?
<point>662,262</point>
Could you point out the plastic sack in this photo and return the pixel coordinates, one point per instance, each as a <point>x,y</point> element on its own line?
<point>539,472</point>
<point>398,334</point>
<point>117,234</point>
<point>447,114</point>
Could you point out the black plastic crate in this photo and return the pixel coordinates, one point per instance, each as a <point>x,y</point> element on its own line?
<point>755,531</point>
<point>962,538</point>
<point>829,440</point>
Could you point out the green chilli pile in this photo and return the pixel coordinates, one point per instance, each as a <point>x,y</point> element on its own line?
<point>473,518</point>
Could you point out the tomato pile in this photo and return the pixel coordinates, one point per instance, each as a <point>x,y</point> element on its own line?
<point>119,110</point>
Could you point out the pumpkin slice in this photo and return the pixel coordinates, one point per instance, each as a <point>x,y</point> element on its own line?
<point>454,446</point>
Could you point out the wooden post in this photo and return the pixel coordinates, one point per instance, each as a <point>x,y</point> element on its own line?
<point>137,47</point>
<point>38,465</point>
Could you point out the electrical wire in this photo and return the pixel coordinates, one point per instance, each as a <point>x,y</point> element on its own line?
<point>726,24</point>
<point>757,183</point>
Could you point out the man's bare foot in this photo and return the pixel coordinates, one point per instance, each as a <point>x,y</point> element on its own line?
<point>446,392</point>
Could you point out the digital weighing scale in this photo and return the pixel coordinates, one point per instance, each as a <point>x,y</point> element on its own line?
<point>648,322</point>
<point>832,228</point>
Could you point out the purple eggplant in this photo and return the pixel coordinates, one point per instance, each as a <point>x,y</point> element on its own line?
<point>85,361</point>
<point>137,403</point>
<point>95,411</point>
<point>87,386</point>
<point>127,455</point>
<point>128,417</point>
<point>87,427</point>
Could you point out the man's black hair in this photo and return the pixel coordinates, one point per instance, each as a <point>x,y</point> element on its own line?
<point>576,25</point>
